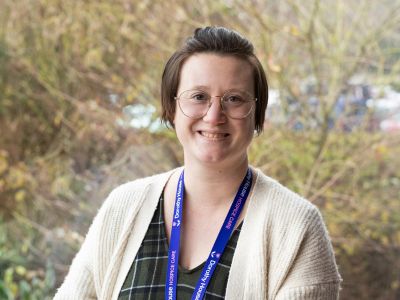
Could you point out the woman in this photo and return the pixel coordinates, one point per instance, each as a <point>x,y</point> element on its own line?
<point>215,228</point>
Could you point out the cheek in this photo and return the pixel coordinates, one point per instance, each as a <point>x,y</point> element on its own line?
<point>181,126</point>
<point>252,123</point>
<point>177,120</point>
<point>250,128</point>
<point>174,118</point>
<point>246,132</point>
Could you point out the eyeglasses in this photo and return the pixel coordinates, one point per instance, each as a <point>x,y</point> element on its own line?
<point>196,103</point>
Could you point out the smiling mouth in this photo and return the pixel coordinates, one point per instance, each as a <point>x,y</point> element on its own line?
<point>214,136</point>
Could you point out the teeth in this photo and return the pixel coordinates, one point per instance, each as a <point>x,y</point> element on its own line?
<point>213,135</point>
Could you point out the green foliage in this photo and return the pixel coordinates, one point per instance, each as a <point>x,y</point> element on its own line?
<point>20,278</point>
<point>14,286</point>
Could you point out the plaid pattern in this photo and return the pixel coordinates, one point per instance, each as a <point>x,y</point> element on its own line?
<point>146,277</point>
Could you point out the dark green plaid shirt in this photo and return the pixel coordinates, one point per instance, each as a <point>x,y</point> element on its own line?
<point>146,277</point>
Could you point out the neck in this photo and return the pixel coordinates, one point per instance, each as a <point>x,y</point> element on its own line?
<point>212,186</point>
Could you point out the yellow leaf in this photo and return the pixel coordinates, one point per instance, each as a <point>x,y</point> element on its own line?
<point>395,285</point>
<point>3,164</point>
<point>334,230</point>
<point>61,185</point>
<point>20,196</point>
<point>382,149</point>
<point>20,270</point>
<point>348,248</point>
<point>385,217</point>
<point>15,178</point>
<point>25,248</point>
<point>294,31</point>
<point>94,58</point>
<point>329,206</point>
<point>385,240</point>
<point>57,119</point>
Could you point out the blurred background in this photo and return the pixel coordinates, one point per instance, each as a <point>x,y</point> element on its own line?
<point>79,115</point>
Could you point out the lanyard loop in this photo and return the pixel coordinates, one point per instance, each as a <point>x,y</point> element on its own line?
<point>219,244</point>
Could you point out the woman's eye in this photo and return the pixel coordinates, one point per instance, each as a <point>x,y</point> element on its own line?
<point>234,98</point>
<point>199,97</point>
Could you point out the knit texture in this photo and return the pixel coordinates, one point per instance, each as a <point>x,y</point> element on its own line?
<point>283,251</point>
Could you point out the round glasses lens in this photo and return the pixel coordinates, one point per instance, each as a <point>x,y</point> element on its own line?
<point>237,104</point>
<point>194,103</point>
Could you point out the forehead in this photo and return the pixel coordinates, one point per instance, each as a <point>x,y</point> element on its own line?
<point>216,72</point>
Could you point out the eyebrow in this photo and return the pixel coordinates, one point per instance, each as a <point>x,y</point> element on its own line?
<point>206,88</point>
<point>200,87</point>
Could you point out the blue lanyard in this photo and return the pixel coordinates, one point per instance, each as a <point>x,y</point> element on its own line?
<point>219,244</point>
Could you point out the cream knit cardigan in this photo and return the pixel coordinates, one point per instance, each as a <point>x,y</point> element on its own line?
<point>283,251</point>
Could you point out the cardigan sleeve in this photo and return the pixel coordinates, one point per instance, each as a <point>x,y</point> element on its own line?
<point>313,274</point>
<point>80,282</point>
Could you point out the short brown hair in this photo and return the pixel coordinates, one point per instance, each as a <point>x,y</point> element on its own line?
<point>217,40</point>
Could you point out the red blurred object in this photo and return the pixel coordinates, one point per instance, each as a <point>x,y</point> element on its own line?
<point>391,124</point>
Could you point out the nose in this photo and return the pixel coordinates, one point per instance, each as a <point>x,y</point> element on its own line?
<point>215,113</point>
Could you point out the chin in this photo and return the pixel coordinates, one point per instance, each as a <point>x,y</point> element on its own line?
<point>224,158</point>
<point>212,158</point>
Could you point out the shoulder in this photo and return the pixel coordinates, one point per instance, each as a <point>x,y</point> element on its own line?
<point>295,235</point>
<point>124,202</point>
<point>282,203</point>
<point>129,192</point>
<point>140,185</point>
<point>123,205</point>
